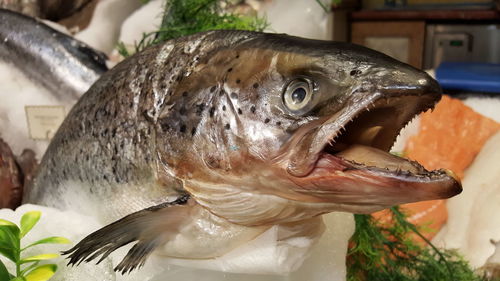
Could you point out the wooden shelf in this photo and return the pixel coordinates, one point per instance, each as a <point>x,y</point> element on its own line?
<point>426,15</point>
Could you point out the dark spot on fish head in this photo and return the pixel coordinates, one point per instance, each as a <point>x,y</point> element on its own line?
<point>230,69</point>
<point>227,126</point>
<point>164,124</point>
<point>238,81</point>
<point>184,94</point>
<point>212,111</point>
<point>234,95</point>
<point>252,108</point>
<point>212,89</point>
<point>267,120</point>
<point>199,109</point>
<point>255,85</point>
<point>182,129</point>
<point>182,110</point>
<point>239,111</point>
<point>223,108</point>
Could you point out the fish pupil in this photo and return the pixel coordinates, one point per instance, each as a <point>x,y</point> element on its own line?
<point>299,95</point>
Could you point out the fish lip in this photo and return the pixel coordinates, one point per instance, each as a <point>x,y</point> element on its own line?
<point>385,188</point>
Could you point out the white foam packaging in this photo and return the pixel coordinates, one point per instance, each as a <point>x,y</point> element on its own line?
<point>262,259</point>
<point>472,225</point>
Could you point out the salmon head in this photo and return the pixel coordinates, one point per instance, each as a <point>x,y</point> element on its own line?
<point>265,128</point>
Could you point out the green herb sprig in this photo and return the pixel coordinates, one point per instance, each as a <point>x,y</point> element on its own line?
<point>27,268</point>
<point>386,252</point>
<point>185,17</point>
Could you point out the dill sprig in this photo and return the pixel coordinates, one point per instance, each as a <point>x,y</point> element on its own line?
<point>185,17</point>
<point>386,252</point>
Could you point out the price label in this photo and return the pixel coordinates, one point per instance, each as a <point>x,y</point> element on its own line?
<point>43,121</point>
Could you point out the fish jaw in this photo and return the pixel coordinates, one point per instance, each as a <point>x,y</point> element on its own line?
<point>364,189</point>
<point>344,159</point>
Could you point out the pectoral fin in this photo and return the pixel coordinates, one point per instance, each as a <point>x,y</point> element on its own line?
<point>150,227</point>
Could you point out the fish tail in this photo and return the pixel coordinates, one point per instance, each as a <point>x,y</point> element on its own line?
<point>150,227</point>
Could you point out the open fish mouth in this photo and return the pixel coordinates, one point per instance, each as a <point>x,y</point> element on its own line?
<point>365,141</point>
<point>352,165</point>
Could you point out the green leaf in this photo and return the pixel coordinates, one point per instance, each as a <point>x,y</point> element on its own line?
<point>29,220</point>
<point>50,240</point>
<point>9,233</point>
<point>18,279</point>
<point>4,274</point>
<point>9,241</point>
<point>6,222</point>
<point>41,257</point>
<point>7,251</point>
<point>42,273</point>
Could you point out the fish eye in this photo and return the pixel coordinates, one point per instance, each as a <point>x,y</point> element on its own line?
<point>298,94</point>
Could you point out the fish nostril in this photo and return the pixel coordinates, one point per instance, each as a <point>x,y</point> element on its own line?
<point>355,72</point>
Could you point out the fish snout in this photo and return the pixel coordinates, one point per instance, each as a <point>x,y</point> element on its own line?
<point>406,80</point>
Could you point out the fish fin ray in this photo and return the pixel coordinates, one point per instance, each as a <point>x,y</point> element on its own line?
<point>136,256</point>
<point>141,226</point>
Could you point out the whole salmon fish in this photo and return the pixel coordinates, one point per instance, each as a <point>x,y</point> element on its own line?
<point>204,142</point>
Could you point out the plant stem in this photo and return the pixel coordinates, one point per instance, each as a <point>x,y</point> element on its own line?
<point>18,266</point>
<point>33,265</point>
<point>414,229</point>
<point>325,8</point>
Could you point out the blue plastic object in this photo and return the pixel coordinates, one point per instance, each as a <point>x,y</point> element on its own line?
<point>471,77</point>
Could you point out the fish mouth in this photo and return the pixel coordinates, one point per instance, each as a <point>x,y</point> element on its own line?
<point>350,163</point>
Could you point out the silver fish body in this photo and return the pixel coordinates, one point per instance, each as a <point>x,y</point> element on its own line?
<point>63,65</point>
